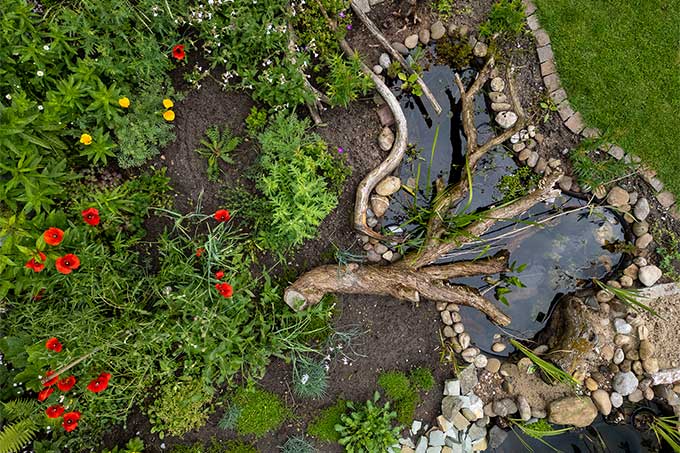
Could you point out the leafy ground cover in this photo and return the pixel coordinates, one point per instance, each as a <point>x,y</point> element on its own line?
<point>618,61</point>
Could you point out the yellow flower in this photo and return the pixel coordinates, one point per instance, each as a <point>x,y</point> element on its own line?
<point>124,102</point>
<point>168,104</point>
<point>169,115</point>
<point>86,139</point>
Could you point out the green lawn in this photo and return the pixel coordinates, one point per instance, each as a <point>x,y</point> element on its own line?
<point>619,61</point>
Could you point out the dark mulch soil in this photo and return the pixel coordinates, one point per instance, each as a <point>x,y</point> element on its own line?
<point>398,335</point>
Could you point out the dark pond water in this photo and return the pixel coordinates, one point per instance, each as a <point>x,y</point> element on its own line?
<point>560,255</point>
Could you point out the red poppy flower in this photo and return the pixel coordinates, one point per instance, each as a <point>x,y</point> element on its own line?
<point>67,263</point>
<point>222,215</point>
<point>53,344</point>
<point>219,275</point>
<point>52,381</point>
<point>224,289</point>
<point>44,394</point>
<point>54,411</point>
<point>53,236</point>
<point>37,266</point>
<point>66,384</point>
<point>199,252</point>
<point>91,216</point>
<point>178,52</point>
<point>99,383</point>
<point>71,421</point>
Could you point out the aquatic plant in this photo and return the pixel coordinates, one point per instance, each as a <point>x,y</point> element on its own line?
<point>666,428</point>
<point>550,371</point>
<point>538,430</point>
<point>630,297</point>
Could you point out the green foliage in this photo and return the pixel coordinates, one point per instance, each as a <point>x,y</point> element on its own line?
<point>628,296</point>
<point>299,181</point>
<point>189,398</point>
<point>517,184</point>
<point>395,384</point>
<point>668,248</point>
<point>548,106</point>
<point>217,146</point>
<point>310,379</point>
<point>666,428</point>
<point>409,84</point>
<point>230,418</point>
<point>550,371</point>
<point>215,446</point>
<point>506,18</point>
<point>457,54</point>
<point>593,172</point>
<point>298,445</point>
<point>539,429</point>
<point>256,121</point>
<point>422,378</point>
<point>346,80</point>
<point>261,411</point>
<point>323,426</point>
<point>393,69</point>
<point>135,445</point>
<point>368,427</point>
<point>14,437</point>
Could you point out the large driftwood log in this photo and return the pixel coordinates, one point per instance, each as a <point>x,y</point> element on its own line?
<point>416,277</point>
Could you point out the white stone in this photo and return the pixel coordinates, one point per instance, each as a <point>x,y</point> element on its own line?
<point>506,119</point>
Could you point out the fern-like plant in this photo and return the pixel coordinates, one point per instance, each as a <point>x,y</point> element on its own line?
<point>21,425</point>
<point>217,146</point>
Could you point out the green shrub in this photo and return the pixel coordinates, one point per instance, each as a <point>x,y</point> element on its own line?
<point>256,121</point>
<point>517,184</point>
<point>310,379</point>
<point>395,384</point>
<point>297,445</point>
<point>180,407</point>
<point>323,426</point>
<point>345,80</point>
<point>135,445</point>
<point>261,411</point>
<point>299,181</point>
<point>368,427</point>
<point>506,17</point>
<point>422,378</point>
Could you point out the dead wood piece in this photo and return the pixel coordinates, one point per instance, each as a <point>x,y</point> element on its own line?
<point>375,31</point>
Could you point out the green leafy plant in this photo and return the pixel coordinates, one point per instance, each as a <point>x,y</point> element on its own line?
<point>506,17</point>
<point>189,398</point>
<point>409,84</point>
<point>346,80</point>
<point>215,446</point>
<point>368,427</point>
<point>628,296</point>
<point>261,411</point>
<point>668,249</point>
<point>540,429</point>
<point>256,121</point>
<point>504,284</point>
<point>393,69</point>
<point>217,146</point>
<point>21,424</point>
<point>297,445</point>
<point>310,379</point>
<point>548,106</point>
<point>457,54</point>
<point>135,445</point>
<point>517,184</point>
<point>323,425</point>
<point>550,371</point>
<point>666,428</point>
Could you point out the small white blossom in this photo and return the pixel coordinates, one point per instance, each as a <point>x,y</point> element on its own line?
<point>304,379</point>
<point>40,107</point>
<point>40,73</point>
<point>8,97</point>
<point>46,47</point>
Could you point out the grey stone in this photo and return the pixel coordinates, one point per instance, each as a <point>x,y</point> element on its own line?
<point>618,356</point>
<point>437,30</point>
<point>622,326</point>
<point>464,339</point>
<point>617,196</point>
<point>665,199</point>
<point>378,69</point>
<point>469,354</point>
<point>452,387</point>
<point>481,361</point>
<point>625,383</point>
<point>415,426</point>
<point>500,98</point>
<point>636,396</point>
<point>565,182</point>
<point>476,433</point>
<point>424,36</point>
<point>468,380</point>
<point>552,82</point>
<point>436,438</point>
<point>380,249</point>
<point>524,408</point>
<point>649,275</point>
<point>616,399</point>
<point>480,50</point>
<point>493,365</point>
<point>500,106</point>
<point>388,186</point>
<point>399,47</point>
<point>616,152</point>
<point>506,119</point>
<point>533,159</point>
<point>373,257</point>
<point>533,23</point>
<point>497,436</point>
<point>572,410</point>
<point>421,446</point>
<point>451,405</point>
<point>504,407</point>
<point>385,115</point>
<point>641,209</point>
<point>379,205</point>
<point>643,241</point>
<point>363,5</point>
<point>575,123</point>
<point>640,228</point>
<point>384,60</point>
<point>411,41</point>
<point>545,53</point>
<point>497,84</point>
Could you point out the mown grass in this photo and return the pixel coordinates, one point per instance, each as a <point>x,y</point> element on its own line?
<point>619,61</point>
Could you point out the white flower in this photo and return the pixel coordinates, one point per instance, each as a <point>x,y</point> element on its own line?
<point>304,379</point>
<point>40,73</point>
<point>46,47</point>
<point>40,107</point>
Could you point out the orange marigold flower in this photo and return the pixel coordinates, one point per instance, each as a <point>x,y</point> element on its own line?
<point>168,104</point>
<point>86,139</point>
<point>169,115</point>
<point>124,102</point>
